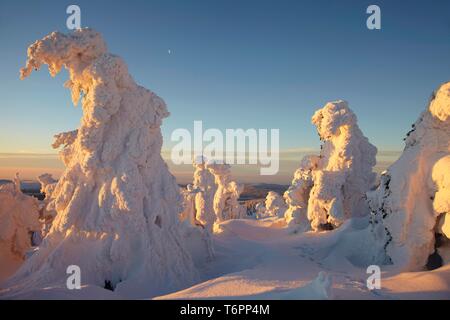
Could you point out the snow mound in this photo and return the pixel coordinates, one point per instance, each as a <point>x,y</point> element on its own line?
<point>117,204</point>
<point>19,216</point>
<point>412,203</point>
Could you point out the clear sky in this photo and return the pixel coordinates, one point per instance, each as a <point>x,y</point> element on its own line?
<point>237,64</point>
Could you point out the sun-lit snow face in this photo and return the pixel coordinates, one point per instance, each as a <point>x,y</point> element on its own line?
<point>332,117</point>
<point>440,106</point>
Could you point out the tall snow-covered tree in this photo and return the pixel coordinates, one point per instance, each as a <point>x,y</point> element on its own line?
<point>117,204</point>
<point>411,207</point>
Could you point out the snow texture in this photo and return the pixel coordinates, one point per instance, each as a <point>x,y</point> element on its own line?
<point>117,204</point>
<point>412,203</point>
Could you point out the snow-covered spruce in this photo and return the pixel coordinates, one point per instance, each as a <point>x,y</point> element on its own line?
<point>226,205</point>
<point>344,169</point>
<point>275,205</point>
<point>196,236</point>
<point>412,204</point>
<point>117,204</point>
<point>330,188</point>
<point>204,200</point>
<point>297,195</point>
<point>19,216</point>
<point>48,211</point>
<point>188,214</point>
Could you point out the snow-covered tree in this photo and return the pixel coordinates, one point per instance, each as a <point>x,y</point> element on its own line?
<point>196,235</point>
<point>189,214</point>
<point>297,195</point>
<point>226,205</point>
<point>19,221</point>
<point>344,169</point>
<point>412,204</point>
<point>330,188</point>
<point>275,205</point>
<point>117,204</point>
<point>204,199</point>
<point>48,211</point>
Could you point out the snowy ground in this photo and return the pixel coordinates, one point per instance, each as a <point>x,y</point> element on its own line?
<point>257,261</point>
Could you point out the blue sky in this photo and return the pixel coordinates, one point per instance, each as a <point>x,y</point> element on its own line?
<point>238,64</point>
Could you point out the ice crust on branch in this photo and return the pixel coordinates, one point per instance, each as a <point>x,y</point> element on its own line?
<point>412,203</point>
<point>117,204</point>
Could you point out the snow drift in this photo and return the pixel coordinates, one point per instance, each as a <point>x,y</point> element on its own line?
<point>117,204</point>
<point>19,216</point>
<point>411,206</point>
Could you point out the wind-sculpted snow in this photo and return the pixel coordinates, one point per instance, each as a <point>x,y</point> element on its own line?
<point>19,216</point>
<point>330,188</point>
<point>117,204</point>
<point>412,203</point>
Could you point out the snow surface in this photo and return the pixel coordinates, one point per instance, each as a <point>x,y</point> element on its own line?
<point>255,260</point>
